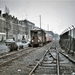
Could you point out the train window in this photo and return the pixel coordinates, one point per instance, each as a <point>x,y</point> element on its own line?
<point>39,33</point>
<point>33,33</point>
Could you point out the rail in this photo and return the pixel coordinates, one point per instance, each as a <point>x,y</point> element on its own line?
<point>58,73</point>
<point>13,56</point>
<point>38,63</point>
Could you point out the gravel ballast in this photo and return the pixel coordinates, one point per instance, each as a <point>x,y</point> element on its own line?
<point>21,65</point>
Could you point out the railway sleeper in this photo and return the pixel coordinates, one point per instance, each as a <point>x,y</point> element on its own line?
<point>44,74</point>
<point>48,65</point>
<point>46,71</point>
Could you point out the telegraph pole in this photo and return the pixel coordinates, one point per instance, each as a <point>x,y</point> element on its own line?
<point>73,39</point>
<point>48,27</point>
<point>40,20</point>
<point>70,39</point>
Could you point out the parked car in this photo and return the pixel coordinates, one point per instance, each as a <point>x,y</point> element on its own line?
<point>25,43</point>
<point>19,44</point>
<point>11,44</point>
<point>8,41</point>
<point>16,45</point>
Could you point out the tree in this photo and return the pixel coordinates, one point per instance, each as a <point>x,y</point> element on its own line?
<point>7,26</point>
<point>26,28</point>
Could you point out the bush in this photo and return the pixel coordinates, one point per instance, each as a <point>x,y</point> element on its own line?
<point>13,46</point>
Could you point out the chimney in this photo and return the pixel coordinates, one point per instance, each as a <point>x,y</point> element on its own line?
<point>5,15</point>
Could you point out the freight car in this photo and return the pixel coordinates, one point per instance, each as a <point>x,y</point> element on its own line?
<point>38,37</point>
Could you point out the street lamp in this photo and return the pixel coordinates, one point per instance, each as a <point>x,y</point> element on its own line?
<point>40,20</point>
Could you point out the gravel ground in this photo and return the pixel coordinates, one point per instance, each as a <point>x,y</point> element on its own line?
<point>21,65</point>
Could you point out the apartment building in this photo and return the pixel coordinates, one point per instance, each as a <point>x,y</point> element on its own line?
<point>28,26</point>
<point>14,28</point>
<point>2,26</point>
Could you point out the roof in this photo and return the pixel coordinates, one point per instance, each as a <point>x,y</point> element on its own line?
<point>37,28</point>
<point>1,18</point>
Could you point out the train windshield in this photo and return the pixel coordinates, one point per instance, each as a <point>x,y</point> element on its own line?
<point>39,33</point>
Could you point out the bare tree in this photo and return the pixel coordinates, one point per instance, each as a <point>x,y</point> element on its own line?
<point>7,27</point>
<point>26,28</point>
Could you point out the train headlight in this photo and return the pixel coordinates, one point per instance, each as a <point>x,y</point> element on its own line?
<point>38,40</point>
<point>32,40</point>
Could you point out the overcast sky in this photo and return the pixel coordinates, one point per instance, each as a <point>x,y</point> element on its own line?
<point>55,14</point>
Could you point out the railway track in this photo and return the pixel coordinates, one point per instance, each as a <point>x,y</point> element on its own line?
<point>9,57</point>
<point>53,63</point>
<point>11,53</point>
<point>47,65</point>
<point>5,59</point>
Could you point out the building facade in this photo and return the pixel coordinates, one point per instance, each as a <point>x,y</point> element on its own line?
<point>2,26</point>
<point>14,28</point>
<point>28,26</point>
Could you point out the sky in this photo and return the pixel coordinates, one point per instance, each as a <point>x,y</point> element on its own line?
<point>56,15</point>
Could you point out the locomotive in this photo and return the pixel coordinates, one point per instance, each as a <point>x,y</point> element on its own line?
<point>39,37</point>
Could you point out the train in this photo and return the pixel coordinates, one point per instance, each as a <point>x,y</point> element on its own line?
<point>39,37</point>
<point>67,41</point>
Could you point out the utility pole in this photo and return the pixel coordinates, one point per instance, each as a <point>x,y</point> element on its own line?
<point>40,20</point>
<point>73,40</point>
<point>48,27</point>
<point>70,39</point>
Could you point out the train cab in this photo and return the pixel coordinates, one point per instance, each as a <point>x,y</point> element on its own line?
<point>37,37</point>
